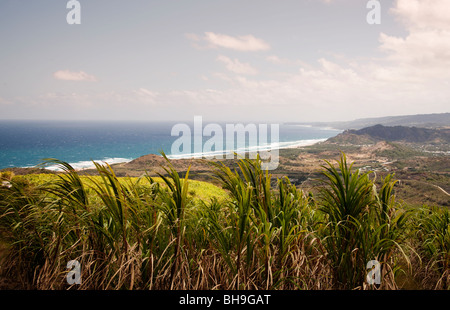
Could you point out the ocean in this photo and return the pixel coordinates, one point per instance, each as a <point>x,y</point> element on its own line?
<point>27,143</point>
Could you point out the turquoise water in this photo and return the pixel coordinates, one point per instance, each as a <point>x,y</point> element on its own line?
<point>27,143</point>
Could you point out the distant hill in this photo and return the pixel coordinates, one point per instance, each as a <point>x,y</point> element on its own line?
<point>394,133</point>
<point>438,120</point>
<point>406,134</point>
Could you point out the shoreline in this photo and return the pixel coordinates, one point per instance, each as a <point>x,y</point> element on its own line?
<point>270,147</point>
<point>87,165</point>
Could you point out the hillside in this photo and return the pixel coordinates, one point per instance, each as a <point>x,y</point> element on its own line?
<point>405,134</point>
<point>419,139</point>
<point>418,157</point>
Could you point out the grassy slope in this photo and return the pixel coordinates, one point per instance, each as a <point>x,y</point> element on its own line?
<point>197,189</point>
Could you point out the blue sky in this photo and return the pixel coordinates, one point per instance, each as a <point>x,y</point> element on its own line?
<point>246,60</point>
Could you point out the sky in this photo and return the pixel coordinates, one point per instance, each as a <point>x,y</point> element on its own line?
<point>224,60</point>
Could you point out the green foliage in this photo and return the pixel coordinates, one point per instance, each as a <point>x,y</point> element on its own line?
<point>6,175</point>
<point>362,224</point>
<point>434,237</point>
<point>170,232</point>
<point>398,151</point>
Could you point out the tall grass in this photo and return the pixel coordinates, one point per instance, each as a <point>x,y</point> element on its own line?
<point>269,228</point>
<point>434,240</point>
<point>149,233</point>
<point>362,224</point>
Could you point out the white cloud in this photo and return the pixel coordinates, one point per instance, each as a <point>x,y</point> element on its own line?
<point>329,90</point>
<point>277,60</point>
<point>145,95</point>
<point>423,14</point>
<point>236,66</point>
<point>67,75</point>
<point>103,99</point>
<point>246,43</point>
<point>425,51</point>
<point>274,59</point>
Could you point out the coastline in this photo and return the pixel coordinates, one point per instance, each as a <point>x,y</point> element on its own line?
<point>269,147</point>
<point>86,165</point>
